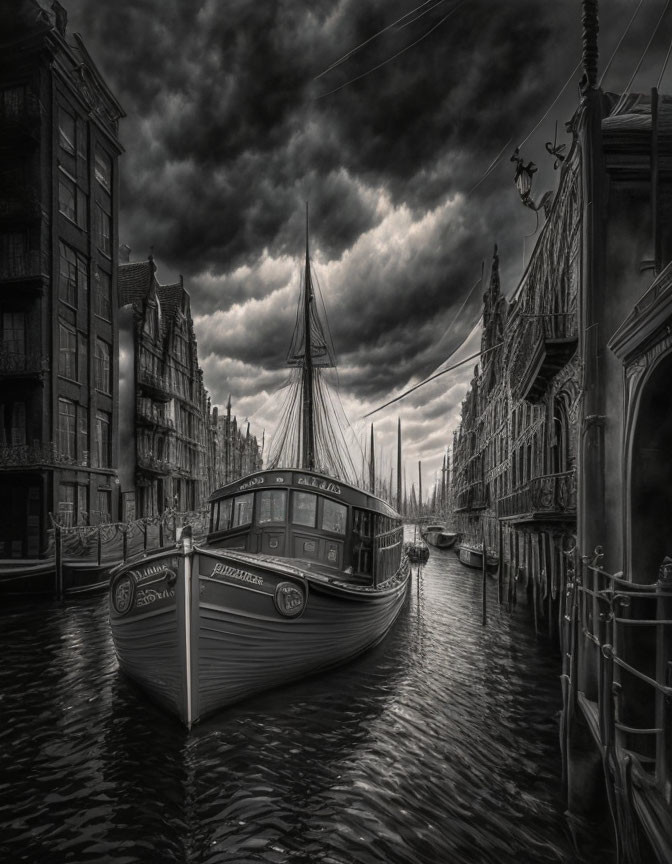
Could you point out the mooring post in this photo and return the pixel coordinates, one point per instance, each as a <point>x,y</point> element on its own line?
<point>484,574</point>
<point>58,552</point>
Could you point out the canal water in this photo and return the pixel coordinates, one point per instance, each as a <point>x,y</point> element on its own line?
<point>440,745</point>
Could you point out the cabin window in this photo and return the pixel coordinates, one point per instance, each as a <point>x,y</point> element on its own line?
<point>333,516</point>
<point>304,509</point>
<point>242,509</point>
<point>224,515</point>
<point>271,506</point>
<point>362,545</point>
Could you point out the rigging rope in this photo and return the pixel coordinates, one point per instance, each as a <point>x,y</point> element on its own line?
<point>646,50</point>
<point>662,71</point>
<point>375,36</point>
<point>625,33</point>
<point>394,56</point>
<point>432,377</point>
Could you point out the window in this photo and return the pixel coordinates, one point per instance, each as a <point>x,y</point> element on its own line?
<point>362,546</point>
<point>82,504</point>
<point>103,368</point>
<point>14,334</point>
<point>304,509</point>
<point>103,230</point>
<point>66,130</point>
<point>103,455</point>
<point>67,357</point>
<point>271,506</point>
<point>103,169</point>
<point>66,504</point>
<point>18,427</point>
<point>73,275</point>
<point>242,509</point>
<point>71,200</point>
<point>333,516</point>
<point>103,295</point>
<point>83,434</point>
<point>224,516</point>
<point>14,259</point>
<point>66,428</point>
<point>104,505</point>
<point>82,357</point>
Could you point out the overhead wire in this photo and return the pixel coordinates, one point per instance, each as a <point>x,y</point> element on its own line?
<point>354,50</point>
<point>432,377</point>
<point>646,50</point>
<point>394,56</point>
<point>618,44</point>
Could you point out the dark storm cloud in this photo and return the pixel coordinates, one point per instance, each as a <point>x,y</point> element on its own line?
<point>228,134</point>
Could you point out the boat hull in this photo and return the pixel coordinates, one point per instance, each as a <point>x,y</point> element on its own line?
<point>440,539</point>
<point>201,632</point>
<point>472,557</point>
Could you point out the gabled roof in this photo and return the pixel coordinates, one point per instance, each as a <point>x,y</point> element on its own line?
<point>134,281</point>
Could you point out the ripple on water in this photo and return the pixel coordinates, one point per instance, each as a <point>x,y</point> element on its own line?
<point>440,745</point>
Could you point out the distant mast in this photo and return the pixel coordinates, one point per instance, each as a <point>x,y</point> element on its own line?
<point>308,422</point>
<point>372,466</point>
<point>398,466</point>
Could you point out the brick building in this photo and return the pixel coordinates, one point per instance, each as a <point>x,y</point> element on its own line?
<point>58,226</point>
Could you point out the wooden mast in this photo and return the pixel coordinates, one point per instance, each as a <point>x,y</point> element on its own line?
<point>419,488</point>
<point>307,413</point>
<point>398,465</point>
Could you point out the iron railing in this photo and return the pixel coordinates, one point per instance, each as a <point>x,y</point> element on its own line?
<point>546,494</point>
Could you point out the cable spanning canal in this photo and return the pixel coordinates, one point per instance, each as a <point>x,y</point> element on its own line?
<point>440,745</point>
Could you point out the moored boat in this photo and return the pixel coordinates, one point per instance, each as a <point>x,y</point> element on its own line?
<point>301,570</point>
<point>471,554</point>
<point>417,551</point>
<point>437,535</point>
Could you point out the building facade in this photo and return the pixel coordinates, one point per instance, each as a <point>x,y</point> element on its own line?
<point>165,425</point>
<point>562,460</point>
<point>59,126</point>
<point>236,452</point>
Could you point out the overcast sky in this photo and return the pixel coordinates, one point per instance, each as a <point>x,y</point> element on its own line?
<point>229,130</point>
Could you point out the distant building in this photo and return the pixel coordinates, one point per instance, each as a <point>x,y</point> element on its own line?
<point>165,425</point>
<point>59,147</point>
<point>237,452</point>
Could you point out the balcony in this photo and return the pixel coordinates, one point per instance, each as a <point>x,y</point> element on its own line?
<point>157,387</point>
<point>472,497</point>
<point>547,343</point>
<point>20,118</point>
<point>22,365</point>
<point>39,455</point>
<point>31,264</point>
<point>550,497</point>
<point>154,417</point>
<point>20,203</point>
<point>151,464</point>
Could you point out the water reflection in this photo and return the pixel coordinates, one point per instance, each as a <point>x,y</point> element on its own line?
<point>438,745</point>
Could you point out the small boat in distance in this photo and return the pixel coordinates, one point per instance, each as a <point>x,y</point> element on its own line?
<point>437,535</point>
<point>301,571</point>
<point>471,555</point>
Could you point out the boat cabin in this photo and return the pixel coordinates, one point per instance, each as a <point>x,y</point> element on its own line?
<point>324,524</point>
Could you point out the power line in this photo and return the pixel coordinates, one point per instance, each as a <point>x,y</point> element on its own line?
<point>394,56</point>
<point>375,36</point>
